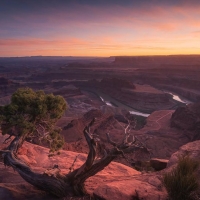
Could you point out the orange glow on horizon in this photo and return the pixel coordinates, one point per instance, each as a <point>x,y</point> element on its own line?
<point>93,31</point>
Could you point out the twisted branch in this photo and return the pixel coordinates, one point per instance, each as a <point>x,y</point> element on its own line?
<point>73,182</point>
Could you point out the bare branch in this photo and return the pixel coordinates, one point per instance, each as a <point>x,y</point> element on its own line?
<point>127,127</point>
<point>102,158</point>
<point>126,131</point>
<point>105,154</point>
<point>6,140</point>
<point>72,166</point>
<point>132,142</point>
<point>42,127</point>
<point>73,182</point>
<point>4,151</point>
<point>110,140</point>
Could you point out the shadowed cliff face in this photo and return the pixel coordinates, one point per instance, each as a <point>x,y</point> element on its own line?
<point>188,118</point>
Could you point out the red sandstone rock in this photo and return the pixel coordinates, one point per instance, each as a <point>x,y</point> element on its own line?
<point>116,181</point>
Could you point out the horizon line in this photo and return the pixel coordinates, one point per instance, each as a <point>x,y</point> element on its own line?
<point>103,56</point>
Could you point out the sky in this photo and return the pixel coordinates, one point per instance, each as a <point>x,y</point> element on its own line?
<point>99,27</point>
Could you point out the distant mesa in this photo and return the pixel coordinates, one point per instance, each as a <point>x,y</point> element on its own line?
<point>170,59</point>
<point>132,59</point>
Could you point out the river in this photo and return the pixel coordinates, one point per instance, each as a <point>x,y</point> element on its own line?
<point>178,98</point>
<point>115,103</point>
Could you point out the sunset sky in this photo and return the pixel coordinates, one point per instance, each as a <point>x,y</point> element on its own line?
<point>99,27</point>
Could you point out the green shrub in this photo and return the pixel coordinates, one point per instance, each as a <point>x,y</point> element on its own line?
<point>181,183</point>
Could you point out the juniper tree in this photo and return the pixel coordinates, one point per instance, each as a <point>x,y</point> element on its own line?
<point>34,114</point>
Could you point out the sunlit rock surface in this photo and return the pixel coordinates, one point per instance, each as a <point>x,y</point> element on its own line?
<point>116,181</point>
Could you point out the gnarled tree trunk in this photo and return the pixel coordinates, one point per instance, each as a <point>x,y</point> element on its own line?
<point>72,183</point>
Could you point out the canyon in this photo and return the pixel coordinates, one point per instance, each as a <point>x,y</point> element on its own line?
<point>157,96</point>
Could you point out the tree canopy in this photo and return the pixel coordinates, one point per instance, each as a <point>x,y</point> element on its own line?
<point>33,114</point>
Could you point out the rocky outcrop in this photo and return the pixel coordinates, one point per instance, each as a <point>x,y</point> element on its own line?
<point>192,149</point>
<point>73,131</point>
<point>187,118</point>
<point>158,164</point>
<point>157,134</point>
<point>116,181</point>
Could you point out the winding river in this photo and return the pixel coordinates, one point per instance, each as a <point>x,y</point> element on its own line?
<point>115,103</point>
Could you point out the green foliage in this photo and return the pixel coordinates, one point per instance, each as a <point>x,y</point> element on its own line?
<point>33,114</point>
<point>181,182</point>
<point>56,140</point>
